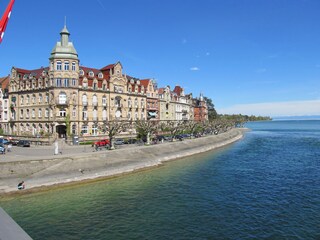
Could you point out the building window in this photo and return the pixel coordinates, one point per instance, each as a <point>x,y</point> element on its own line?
<point>74,127</point>
<point>74,82</point>
<point>84,100</point>
<point>59,65</point>
<point>129,102</point>
<point>136,103</point>
<point>81,72</point>
<point>66,82</point>
<point>21,113</point>
<point>117,102</point>
<point>46,114</point>
<point>40,113</point>
<point>73,66</point>
<point>84,84</point>
<point>33,99</point>
<point>100,75</point>
<point>95,86</point>
<point>94,100</point>
<point>74,112</point>
<point>47,98</point>
<point>104,101</point>
<point>104,115</point>
<point>21,100</point>
<point>33,113</point>
<point>62,112</point>
<point>84,115</point>
<point>95,115</point>
<point>66,65</point>
<point>40,98</point>
<point>91,74</point>
<point>58,82</point>
<point>84,129</point>
<point>27,113</point>
<point>62,98</point>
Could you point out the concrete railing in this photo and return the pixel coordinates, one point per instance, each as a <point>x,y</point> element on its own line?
<point>9,229</point>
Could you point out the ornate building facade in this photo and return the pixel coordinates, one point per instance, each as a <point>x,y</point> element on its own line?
<point>66,98</point>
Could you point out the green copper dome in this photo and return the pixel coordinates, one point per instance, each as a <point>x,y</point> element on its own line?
<point>64,48</point>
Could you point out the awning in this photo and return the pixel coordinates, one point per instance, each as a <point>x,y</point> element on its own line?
<point>152,114</point>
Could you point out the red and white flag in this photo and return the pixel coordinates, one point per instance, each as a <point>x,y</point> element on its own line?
<point>5,18</point>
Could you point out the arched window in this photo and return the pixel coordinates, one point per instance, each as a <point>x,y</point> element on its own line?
<point>94,100</point>
<point>129,103</point>
<point>95,115</point>
<point>117,101</point>
<point>84,100</point>
<point>104,115</point>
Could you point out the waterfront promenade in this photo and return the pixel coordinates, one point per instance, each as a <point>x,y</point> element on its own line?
<point>40,168</point>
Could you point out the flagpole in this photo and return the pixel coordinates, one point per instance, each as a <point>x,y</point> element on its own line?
<point>5,19</point>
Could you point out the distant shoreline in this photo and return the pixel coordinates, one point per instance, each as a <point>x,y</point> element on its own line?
<point>46,174</point>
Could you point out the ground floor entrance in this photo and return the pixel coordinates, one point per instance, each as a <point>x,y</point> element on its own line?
<point>61,130</point>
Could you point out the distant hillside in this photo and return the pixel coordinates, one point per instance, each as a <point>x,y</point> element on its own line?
<point>313,117</point>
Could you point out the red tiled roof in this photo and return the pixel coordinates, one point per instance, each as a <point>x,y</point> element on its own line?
<point>4,81</point>
<point>145,82</point>
<point>178,90</point>
<point>161,90</point>
<point>36,72</point>
<point>108,67</point>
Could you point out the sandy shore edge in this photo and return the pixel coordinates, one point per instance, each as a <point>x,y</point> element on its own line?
<point>45,174</point>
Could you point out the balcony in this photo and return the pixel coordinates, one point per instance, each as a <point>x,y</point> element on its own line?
<point>61,102</point>
<point>60,118</point>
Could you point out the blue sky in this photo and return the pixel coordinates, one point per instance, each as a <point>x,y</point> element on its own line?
<point>249,56</point>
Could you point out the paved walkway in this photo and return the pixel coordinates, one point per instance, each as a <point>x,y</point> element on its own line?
<point>43,152</point>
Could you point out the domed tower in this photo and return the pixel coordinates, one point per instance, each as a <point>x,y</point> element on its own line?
<point>64,80</point>
<point>64,61</point>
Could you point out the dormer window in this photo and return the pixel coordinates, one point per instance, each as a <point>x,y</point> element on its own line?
<point>81,72</point>
<point>100,75</point>
<point>91,74</point>
<point>138,82</point>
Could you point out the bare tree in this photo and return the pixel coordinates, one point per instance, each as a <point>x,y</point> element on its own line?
<point>192,126</point>
<point>113,128</point>
<point>146,128</point>
<point>175,127</point>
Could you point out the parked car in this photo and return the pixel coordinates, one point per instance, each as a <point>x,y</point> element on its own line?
<point>24,143</point>
<point>2,149</point>
<point>102,143</point>
<point>118,142</point>
<point>130,141</point>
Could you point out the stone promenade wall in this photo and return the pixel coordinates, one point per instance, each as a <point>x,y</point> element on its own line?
<point>87,166</point>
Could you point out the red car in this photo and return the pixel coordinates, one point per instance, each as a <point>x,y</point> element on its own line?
<point>102,143</point>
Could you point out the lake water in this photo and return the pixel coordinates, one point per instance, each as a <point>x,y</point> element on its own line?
<point>266,186</point>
